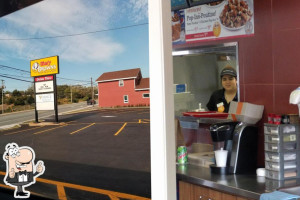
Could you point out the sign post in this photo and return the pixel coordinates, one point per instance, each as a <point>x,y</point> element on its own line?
<point>44,72</point>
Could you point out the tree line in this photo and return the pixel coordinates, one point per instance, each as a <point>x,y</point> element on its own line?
<point>64,95</point>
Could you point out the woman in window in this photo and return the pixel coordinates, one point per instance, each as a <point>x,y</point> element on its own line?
<point>220,99</point>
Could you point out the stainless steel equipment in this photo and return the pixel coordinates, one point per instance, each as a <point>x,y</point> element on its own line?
<point>240,140</point>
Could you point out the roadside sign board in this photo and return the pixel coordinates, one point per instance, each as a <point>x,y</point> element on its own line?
<point>44,71</point>
<point>44,66</point>
<point>43,78</point>
<point>45,86</point>
<point>45,101</point>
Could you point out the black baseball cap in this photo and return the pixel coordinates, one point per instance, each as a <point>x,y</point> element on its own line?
<point>228,70</point>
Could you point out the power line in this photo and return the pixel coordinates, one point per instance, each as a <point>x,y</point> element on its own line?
<point>16,79</point>
<point>4,66</point>
<point>72,79</point>
<point>16,75</point>
<point>76,34</point>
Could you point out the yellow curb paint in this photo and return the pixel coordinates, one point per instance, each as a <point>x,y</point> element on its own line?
<point>94,190</point>
<point>6,186</point>
<point>117,133</point>
<point>113,197</point>
<point>111,194</point>
<point>61,192</point>
<point>82,128</point>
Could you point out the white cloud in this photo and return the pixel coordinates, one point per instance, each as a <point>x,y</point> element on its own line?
<point>140,9</point>
<point>56,18</point>
<point>90,48</point>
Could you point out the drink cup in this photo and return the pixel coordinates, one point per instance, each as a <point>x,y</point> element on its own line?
<point>221,157</point>
<point>277,119</point>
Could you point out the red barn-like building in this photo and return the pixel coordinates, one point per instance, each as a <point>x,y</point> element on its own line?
<point>123,88</point>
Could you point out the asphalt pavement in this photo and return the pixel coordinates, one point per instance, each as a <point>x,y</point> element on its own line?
<point>90,154</point>
<point>14,119</point>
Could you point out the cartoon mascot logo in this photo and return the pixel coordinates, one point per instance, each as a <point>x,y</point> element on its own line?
<point>20,169</point>
<point>35,66</point>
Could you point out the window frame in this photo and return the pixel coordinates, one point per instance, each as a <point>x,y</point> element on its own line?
<point>121,83</point>
<point>146,94</point>
<point>126,100</point>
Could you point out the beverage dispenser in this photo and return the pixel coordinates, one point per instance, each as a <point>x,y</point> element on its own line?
<point>240,141</point>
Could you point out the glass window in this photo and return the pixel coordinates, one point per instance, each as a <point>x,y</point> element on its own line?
<point>196,74</point>
<point>121,83</point>
<point>126,99</point>
<point>146,95</point>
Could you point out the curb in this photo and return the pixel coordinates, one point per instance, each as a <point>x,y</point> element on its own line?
<point>2,128</point>
<point>46,123</point>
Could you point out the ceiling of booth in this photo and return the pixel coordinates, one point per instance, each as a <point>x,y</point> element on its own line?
<point>10,6</point>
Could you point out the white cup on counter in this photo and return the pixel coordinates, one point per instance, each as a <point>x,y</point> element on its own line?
<point>221,157</point>
<point>261,172</point>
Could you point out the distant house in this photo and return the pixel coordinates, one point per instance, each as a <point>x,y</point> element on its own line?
<point>123,88</point>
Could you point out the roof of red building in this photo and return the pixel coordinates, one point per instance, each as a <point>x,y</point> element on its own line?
<point>144,84</point>
<point>116,75</point>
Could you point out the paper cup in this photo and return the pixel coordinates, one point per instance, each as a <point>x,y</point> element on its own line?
<point>221,157</point>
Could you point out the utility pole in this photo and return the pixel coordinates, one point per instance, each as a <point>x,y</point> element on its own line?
<point>92,91</point>
<point>71,94</point>
<point>2,95</point>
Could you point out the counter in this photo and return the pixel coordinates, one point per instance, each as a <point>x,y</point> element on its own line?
<point>247,186</point>
<point>190,122</point>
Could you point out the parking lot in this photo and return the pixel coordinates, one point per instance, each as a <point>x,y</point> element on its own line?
<point>91,154</point>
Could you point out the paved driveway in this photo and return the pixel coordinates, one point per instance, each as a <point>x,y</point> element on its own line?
<point>102,153</point>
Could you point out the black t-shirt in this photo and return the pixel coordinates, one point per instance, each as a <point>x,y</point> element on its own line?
<point>218,97</point>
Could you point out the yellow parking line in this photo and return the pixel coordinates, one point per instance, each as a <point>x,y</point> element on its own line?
<point>6,186</point>
<point>113,195</point>
<point>61,192</point>
<point>117,133</point>
<point>23,130</point>
<point>82,128</point>
<point>91,189</point>
<point>49,129</point>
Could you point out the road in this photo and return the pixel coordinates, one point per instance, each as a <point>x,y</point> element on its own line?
<point>8,120</point>
<point>92,154</point>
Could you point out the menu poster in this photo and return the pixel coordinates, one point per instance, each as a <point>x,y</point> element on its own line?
<point>218,20</point>
<point>179,4</point>
<point>178,27</point>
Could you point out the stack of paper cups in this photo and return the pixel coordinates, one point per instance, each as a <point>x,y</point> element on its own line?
<point>221,157</point>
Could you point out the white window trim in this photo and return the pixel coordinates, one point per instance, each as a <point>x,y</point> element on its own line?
<point>163,158</point>
<point>127,99</point>
<point>121,83</point>
<point>146,93</point>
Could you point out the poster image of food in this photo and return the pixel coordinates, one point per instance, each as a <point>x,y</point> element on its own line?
<point>178,27</point>
<point>219,20</point>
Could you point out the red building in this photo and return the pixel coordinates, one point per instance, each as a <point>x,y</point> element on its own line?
<point>123,88</point>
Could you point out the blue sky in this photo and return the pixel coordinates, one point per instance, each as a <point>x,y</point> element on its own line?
<point>80,57</point>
